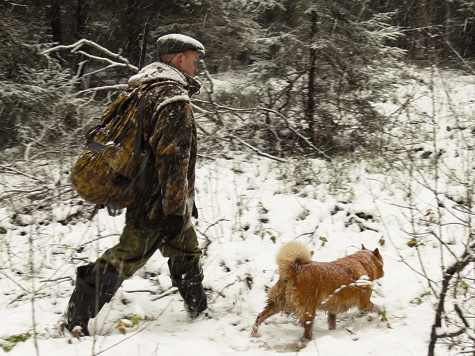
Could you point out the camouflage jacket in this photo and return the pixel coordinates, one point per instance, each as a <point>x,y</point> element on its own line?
<point>169,130</point>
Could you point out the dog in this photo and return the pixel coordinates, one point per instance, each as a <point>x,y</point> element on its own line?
<point>305,285</point>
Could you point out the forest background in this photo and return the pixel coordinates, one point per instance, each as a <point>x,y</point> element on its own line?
<point>282,79</point>
<point>315,62</point>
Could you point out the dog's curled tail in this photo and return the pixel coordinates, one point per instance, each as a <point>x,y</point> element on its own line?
<point>290,254</point>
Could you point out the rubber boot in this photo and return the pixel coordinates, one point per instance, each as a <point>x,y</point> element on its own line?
<point>190,287</point>
<point>95,287</point>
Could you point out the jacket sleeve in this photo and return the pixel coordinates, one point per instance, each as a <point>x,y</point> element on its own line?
<point>171,143</point>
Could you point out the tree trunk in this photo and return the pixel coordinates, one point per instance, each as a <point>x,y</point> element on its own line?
<point>81,18</point>
<point>55,20</point>
<point>310,109</point>
<point>134,30</point>
<point>82,9</point>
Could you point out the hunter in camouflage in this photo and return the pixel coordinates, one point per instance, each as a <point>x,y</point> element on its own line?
<point>168,192</point>
<point>159,218</point>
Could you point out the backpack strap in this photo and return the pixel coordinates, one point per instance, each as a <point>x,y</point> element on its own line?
<point>139,139</point>
<point>94,211</point>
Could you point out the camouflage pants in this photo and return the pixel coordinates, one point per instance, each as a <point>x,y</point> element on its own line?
<point>136,246</point>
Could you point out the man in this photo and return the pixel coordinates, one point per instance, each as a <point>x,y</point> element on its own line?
<point>160,217</point>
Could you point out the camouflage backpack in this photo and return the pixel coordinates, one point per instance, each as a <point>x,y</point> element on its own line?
<point>113,160</point>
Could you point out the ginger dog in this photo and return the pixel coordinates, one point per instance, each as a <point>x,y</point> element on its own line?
<point>305,285</point>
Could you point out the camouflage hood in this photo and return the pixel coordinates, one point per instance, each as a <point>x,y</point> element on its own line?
<point>159,71</point>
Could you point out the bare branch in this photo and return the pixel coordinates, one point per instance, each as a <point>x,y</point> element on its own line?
<point>455,268</point>
<point>15,171</point>
<point>258,151</point>
<point>469,67</point>
<point>106,87</point>
<point>77,45</point>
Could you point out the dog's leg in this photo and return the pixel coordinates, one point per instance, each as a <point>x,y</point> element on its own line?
<point>376,309</point>
<point>367,305</point>
<point>308,326</point>
<point>270,309</point>
<point>331,321</point>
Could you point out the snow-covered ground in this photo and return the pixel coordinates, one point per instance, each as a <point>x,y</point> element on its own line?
<point>249,207</point>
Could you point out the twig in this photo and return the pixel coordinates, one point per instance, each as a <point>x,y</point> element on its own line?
<point>164,294</point>
<point>140,291</point>
<point>61,279</point>
<point>258,151</point>
<point>14,281</point>
<point>460,314</point>
<point>96,239</point>
<point>459,56</point>
<point>106,87</point>
<point>33,291</point>
<point>132,335</point>
<point>403,260</point>
<point>13,170</point>
<point>214,224</point>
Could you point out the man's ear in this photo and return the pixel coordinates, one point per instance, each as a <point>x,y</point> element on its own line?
<point>179,57</point>
<point>177,60</point>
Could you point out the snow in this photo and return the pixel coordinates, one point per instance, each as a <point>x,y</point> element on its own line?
<point>150,74</point>
<point>173,99</point>
<point>249,207</point>
<point>178,38</point>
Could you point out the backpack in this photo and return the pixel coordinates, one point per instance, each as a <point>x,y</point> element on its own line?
<point>113,160</point>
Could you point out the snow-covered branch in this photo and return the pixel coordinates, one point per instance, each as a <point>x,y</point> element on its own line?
<point>105,87</point>
<point>75,48</point>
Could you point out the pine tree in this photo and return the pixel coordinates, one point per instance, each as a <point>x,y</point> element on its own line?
<point>330,65</point>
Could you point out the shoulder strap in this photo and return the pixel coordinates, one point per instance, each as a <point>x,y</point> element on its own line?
<point>139,138</point>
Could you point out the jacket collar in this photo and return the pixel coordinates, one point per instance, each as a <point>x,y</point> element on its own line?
<point>159,71</point>
<point>194,86</point>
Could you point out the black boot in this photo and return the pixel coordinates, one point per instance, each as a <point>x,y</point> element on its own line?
<point>190,287</point>
<point>95,286</point>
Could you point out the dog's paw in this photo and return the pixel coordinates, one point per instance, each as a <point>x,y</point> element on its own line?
<point>254,331</point>
<point>302,343</point>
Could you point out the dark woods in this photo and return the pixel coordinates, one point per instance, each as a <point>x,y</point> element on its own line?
<point>313,68</point>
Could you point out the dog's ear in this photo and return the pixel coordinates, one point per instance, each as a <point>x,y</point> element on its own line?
<point>376,252</point>
<point>362,247</point>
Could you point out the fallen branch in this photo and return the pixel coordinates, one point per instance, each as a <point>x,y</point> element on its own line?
<point>164,294</point>
<point>258,151</point>
<point>12,170</point>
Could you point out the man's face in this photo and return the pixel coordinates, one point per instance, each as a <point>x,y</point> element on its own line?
<point>188,62</point>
